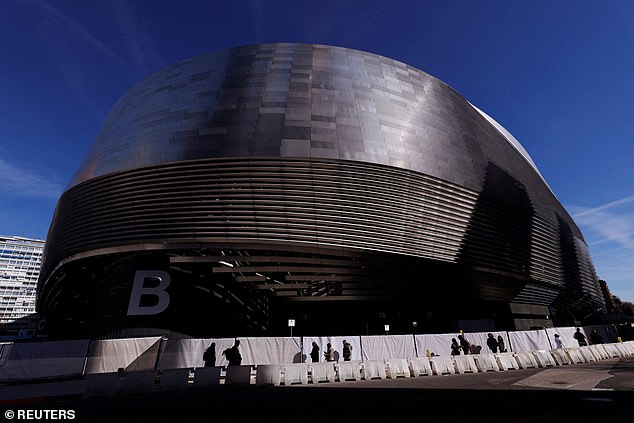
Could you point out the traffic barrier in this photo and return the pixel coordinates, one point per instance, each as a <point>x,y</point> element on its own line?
<point>207,376</point>
<point>322,372</point>
<point>599,352</point>
<point>560,356</point>
<point>173,379</point>
<point>623,351</point>
<point>374,369</point>
<point>587,354</point>
<point>349,370</point>
<point>526,360</point>
<point>420,367</point>
<point>627,346</point>
<point>506,361</point>
<point>136,369</point>
<point>140,382</point>
<point>295,373</point>
<point>611,350</point>
<point>268,374</point>
<point>487,363</point>
<point>238,375</point>
<point>465,364</point>
<point>544,358</point>
<point>102,384</point>
<point>442,365</point>
<point>575,355</point>
<point>397,367</point>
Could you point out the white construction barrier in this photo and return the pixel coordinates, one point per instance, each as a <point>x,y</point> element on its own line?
<point>560,356</point>
<point>296,373</point>
<point>442,365</point>
<point>544,358</point>
<point>374,369</point>
<point>437,344</point>
<point>567,336</point>
<point>322,372</point>
<point>627,348</point>
<point>238,375</point>
<point>487,363</point>
<point>181,353</point>
<point>132,354</point>
<point>173,380</point>
<point>337,344</point>
<point>587,354</point>
<point>612,350</point>
<point>479,345</point>
<point>268,374</point>
<point>386,347</point>
<point>623,349</point>
<point>271,350</point>
<point>465,363</point>
<point>575,355</point>
<point>531,340</point>
<point>141,382</point>
<point>397,367</point>
<point>506,361</point>
<point>526,360</point>
<point>599,352</point>
<point>102,384</point>
<point>420,367</point>
<point>207,376</point>
<point>125,361</point>
<point>37,360</point>
<point>349,370</point>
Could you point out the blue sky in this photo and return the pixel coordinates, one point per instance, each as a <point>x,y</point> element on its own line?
<point>559,75</point>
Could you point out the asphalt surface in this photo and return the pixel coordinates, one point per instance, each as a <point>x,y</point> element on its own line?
<point>582,392</point>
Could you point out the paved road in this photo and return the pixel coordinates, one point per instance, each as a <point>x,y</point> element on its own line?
<point>583,392</point>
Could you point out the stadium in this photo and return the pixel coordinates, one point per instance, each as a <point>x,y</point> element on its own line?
<point>232,192</point>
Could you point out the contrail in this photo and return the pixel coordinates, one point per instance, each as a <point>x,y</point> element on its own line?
<point>607,206</point>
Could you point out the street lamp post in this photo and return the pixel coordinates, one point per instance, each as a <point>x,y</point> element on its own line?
<point>414,325</point>
<point>291,324</point>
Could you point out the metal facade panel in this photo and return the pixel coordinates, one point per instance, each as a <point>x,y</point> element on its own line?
<point>324,148</point>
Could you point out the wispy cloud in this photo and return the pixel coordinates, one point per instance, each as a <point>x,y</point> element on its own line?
<point>610,205</point>
<point>613,221</point>
<point>116,39</point>
<point>20,182</point>
<point>62,21</point>
<point>139,48</point>
<point>609,231</point>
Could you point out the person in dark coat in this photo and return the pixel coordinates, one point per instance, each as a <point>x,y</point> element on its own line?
<point>314,353</point>
<point>210,355</point>
<point>492,343</point>
<point>233,354</point>
<point>595,338</point>
<point>580,337</point>
<point>455,348</point>
<point>347,351</point>
<point>464,344</point>
<point>501,346</point>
